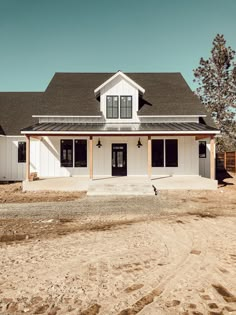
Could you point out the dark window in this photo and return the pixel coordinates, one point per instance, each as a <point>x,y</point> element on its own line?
<point>67,153</point>
<point>171,153</point>
<point>126,107</point>
<point>80,153</point>
<point>21,152</point>
<point>202,149</point>
<point>112,106</point>
<point>157,153</point>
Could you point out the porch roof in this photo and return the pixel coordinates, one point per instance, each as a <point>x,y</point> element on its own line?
<point>113,128</point>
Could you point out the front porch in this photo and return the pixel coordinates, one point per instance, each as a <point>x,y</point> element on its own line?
<point>128,185</point>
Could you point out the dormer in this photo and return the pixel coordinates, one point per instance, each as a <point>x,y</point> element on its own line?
<point>119,97</point>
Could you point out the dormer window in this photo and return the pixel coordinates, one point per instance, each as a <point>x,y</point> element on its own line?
<point>112,106</point>
<point>119,107</point>
<point>126,107</point>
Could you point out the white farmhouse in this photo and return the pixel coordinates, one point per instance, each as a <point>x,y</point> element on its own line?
<point>104,124</point>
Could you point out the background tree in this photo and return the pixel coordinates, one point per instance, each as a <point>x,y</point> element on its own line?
<point>216,78</point>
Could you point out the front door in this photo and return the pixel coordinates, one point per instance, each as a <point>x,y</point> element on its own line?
<point>119,159</point>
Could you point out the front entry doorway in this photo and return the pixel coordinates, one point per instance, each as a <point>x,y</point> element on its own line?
<point>119,159</point>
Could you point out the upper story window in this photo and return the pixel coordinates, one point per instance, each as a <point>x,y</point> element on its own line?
<point>119,107</point>
<point>126,107</point>
<point>112,107</point>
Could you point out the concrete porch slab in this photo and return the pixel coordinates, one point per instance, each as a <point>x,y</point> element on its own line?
<point>127,185</point>
<point>121,186</point>
<point>57,184</point>
<point>183,182</point>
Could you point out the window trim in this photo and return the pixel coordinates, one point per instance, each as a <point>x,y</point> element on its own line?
<point>112,105</point>
<point>23,160</point>
<point>131,106</point>
<point>72,164</point>
<point>205,155</point>
<point>74,161</point>
<point>163,144</point>
<point>164,153</point>
<point>177,164</point>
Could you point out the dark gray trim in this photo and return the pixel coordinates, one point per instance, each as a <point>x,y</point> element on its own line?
<point>126,109</point>
<point>167,162</point>
<point>112,106</point>
<point>204,155</point>
<point>21,151</point>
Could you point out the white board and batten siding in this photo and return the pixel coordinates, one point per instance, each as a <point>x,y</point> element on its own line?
<point>45,157</point>
<point>187,158</point>
<point>120,87</point>
<point>10,169</point>
<point>204,163</point>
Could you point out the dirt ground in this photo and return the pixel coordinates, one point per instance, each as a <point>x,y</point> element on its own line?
<point>174,253</point>
<point>12,193</point>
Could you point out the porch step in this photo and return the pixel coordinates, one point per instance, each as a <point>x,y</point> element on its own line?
<point>122,188</point>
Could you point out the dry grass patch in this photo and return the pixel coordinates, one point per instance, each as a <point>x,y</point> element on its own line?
<point>12,193</point>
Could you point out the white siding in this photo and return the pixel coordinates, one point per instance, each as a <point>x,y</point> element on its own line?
<point>119,87</point>
<point>10,169</point>
<point>204,163</point>
<point>79,120</point>
<point>136,157</point>
<point>45,158</point>
<point>176,119</point>
<point>187,158</point>
<point>86,120</point>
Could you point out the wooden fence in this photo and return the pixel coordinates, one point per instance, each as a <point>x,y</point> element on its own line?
<point>226,161</point>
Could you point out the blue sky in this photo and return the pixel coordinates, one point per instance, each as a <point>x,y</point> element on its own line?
<point>39,38</point>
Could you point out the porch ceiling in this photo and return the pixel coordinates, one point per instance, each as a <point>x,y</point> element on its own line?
<point>131,128</point>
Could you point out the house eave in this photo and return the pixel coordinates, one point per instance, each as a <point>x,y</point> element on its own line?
<point>171,116</point>
<point>66,116</point>
<point>119,73</point>
<point>212,132</point>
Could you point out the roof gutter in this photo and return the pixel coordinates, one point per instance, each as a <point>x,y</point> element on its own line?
<point>63,116</point>
<point>210,132</point>
<point>164,116</point>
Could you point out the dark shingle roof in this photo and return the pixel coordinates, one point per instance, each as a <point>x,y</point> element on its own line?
<point>16,110</point>
<point>135,127</point>
<point>165,93</point>
<point>73,94</point>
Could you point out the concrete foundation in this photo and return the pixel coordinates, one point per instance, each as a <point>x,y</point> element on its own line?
<point>128,185</point>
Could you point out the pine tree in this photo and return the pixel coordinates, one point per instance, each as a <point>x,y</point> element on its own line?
<point>216,78</point>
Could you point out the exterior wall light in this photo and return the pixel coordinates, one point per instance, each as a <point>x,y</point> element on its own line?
<point>139,144</point>
<point>99,144</point>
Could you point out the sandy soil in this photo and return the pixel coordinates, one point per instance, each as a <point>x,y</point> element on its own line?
<point>171,265</point>
<point>174,253</point>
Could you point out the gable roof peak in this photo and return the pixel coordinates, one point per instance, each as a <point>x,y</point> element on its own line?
<point>124,76</point>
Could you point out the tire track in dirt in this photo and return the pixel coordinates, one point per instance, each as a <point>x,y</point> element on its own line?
<point>186,263</point>
<point>171,244</point>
